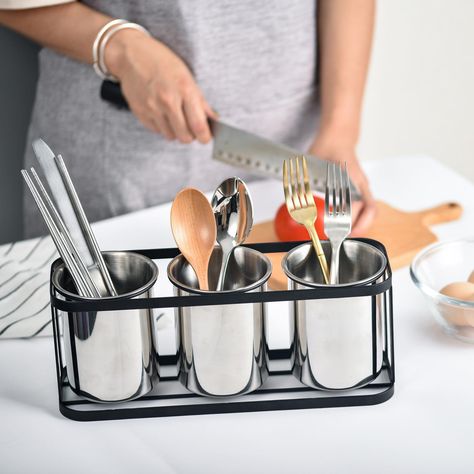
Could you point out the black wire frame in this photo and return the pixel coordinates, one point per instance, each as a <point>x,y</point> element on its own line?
<point>378,391</point>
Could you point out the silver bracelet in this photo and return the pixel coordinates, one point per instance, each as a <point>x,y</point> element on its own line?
<point>97,41</point>
<point>101,68</point>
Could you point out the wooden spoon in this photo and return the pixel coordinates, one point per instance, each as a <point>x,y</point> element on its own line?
<point>194,230</point>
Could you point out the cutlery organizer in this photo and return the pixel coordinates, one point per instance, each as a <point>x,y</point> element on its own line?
<point>280,391</point>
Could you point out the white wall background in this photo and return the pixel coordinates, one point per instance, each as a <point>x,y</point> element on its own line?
<point>420,91</point>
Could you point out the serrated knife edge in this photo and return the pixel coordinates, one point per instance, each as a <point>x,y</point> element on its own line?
<point>261,156</point>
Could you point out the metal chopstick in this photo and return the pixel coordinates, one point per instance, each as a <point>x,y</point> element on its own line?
<point>58,221</point>
<point>58,239</point>
<point>46,159</point>
<point>85,226</point>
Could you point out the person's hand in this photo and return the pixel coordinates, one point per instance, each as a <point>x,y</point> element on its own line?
<point>329,146</point>
<point>159,87</point>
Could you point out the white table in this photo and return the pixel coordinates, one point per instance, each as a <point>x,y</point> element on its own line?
<point>428,426</point>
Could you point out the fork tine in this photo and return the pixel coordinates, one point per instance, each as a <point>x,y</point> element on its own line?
<point>307,187</point>
<point>301,195</point>
<point>290,177</point>
<point>306,198</point>
<point>340,189</point>
<point>337,188</point>
<point>293,187</point>
<point>347,189</point>
<point>327,193</point>
<point>342,196</point>
<point>286,187</point>
<point>333,188</point>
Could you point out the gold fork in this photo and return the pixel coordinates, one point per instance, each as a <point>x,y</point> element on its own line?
<point>301,206</point>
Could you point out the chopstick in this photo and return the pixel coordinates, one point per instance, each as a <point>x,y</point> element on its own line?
<point>84,224</point>
<point>67,236</point>
<point>62,241</point>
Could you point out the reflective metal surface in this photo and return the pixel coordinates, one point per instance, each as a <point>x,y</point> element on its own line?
<point>75,220</point>
<point>258,155</point>
<point>233,211</point>
<point>337,214</point>
<point>222,347</point>
<point>338,341</point>
<point>109,353</point>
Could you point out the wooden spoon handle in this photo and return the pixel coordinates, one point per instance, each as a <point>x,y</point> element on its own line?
<point>203,280</point>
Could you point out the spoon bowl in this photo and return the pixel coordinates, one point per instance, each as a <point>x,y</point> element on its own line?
<point>194,230</point>
<point>233,212</point>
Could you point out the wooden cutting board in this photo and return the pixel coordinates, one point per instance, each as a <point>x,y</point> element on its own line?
<point>404,234</point>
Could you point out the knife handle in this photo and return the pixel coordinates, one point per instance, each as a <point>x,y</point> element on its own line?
<point>111,92</point>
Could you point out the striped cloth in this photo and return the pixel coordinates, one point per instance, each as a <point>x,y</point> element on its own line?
<point>24,288</point>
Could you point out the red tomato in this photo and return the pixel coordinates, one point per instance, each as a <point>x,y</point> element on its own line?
<point>287,229</point>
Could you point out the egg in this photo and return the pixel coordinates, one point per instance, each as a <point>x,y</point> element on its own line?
<point>458,316</point>
<point>471,277</point>
<point>461,290</point>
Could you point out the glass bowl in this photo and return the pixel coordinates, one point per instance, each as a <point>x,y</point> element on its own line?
<point>434,268</point>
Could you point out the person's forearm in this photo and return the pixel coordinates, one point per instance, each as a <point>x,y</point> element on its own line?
<point>67,28</point>
<point>345,37</point>
<point>157,84</point>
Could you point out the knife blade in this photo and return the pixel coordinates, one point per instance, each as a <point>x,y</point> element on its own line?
<point>261,156</point>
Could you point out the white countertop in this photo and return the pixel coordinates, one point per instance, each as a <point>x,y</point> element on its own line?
<point>428,425</point>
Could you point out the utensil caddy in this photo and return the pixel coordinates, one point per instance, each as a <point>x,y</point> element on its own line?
<point>281,390</point>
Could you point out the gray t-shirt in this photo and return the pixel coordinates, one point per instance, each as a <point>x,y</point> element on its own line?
<point>254,61</point>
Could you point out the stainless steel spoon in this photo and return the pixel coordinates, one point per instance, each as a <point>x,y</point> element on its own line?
<point>233,212</point>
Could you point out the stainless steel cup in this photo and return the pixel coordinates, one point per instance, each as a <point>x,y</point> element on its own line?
<point>338,341</point>
<point>222,346</point>
<point>109,353</point>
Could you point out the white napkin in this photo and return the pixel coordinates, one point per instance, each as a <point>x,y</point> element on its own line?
<point>24,288</point>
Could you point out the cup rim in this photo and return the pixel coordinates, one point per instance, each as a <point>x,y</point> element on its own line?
<point>427,289</point>
<point>261,281</point>
<point>365,281</point>
<point>131,294</point>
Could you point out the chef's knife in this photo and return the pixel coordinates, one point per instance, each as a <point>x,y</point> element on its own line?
<point>243,149</point>
<point>261,156</point>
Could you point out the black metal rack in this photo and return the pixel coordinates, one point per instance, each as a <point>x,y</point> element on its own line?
<point>281,390</point>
